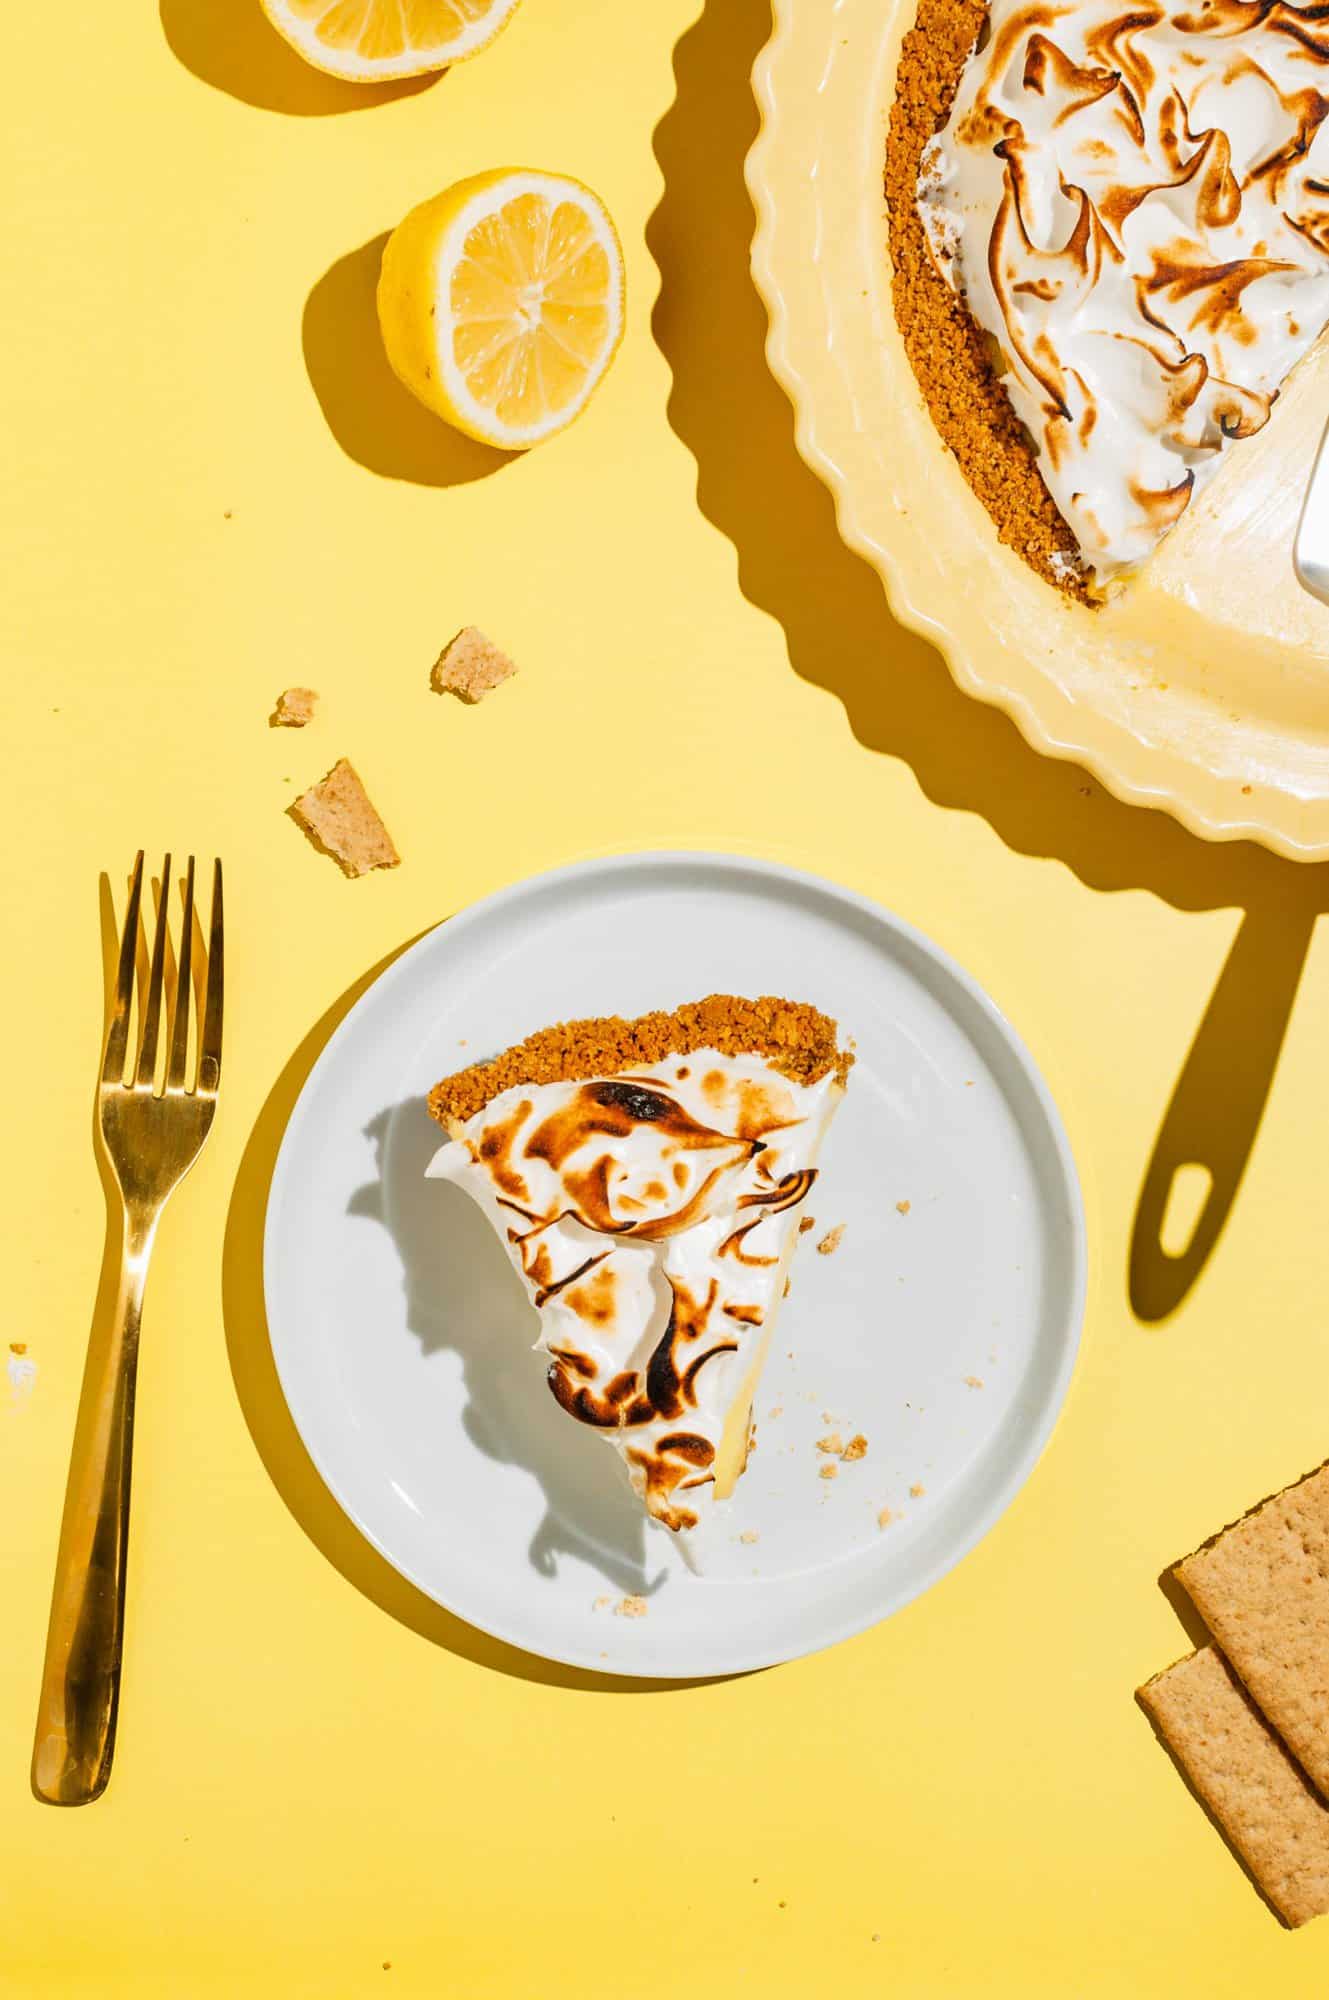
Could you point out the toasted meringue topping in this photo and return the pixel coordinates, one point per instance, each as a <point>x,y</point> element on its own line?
<point>651,1215</point>
<point>1135,205</point>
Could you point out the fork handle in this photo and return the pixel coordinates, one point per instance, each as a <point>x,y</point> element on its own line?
<point>80,1692</point>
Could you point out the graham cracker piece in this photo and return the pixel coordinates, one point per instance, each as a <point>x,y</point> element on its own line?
<point>1262,1800</point>
<point>1262,1588</point>
<point>470,666</point>
<point>339,818</point>
<point>295,707</point>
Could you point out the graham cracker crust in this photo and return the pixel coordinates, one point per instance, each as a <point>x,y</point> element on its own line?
<point>797,1040</point>
<point>947,349</point>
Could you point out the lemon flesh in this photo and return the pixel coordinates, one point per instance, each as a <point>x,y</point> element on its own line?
<point>372,41</point>
<point>501,303</point>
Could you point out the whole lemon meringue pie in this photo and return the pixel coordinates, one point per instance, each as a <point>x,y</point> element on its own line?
<point>647,1178</point>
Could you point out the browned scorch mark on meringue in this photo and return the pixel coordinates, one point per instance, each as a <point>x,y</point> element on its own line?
<point>1216,193</point>
<point>616,1110</point>
<point>671,1387</point>
<point>676,1462</point>
<point>1226,19</point>
<point>494,1151</point>
<point>1163,509</point>
<point>1015,259</point>
<point>1178,275</point>
<point>620,1406</point>
<point>1048,67</point>
<point>596,1301</point>
<point>1112,44</point>
<point>787,1192</point>
<point>668,1386</point>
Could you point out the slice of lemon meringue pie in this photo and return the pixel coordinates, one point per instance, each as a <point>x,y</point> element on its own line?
<point>648,1178</point>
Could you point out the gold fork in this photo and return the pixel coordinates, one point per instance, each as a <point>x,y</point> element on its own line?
<point>151,1133</point>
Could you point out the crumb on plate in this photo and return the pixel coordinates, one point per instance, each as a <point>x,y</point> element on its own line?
<point>630,1607</point>
<point>856,1448</point>
<point>831,1241</point>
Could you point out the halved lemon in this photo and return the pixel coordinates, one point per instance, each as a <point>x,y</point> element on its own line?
<point>501,303</point>
<point>371,41</point>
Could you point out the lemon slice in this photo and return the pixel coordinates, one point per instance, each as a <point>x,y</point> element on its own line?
<point>501,303</point>
<point>368,41</point>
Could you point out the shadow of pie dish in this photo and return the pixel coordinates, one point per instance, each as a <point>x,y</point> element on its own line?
<point>1068,399</point>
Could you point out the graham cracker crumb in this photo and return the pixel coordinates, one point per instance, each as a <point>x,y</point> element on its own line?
<point>18,1346</point>
<point>778,1411</point>
<point>831,1241</point>
<point>885,1518</point>
<point>602,1603</point>
<point>831,1469</point>
<point>947,349</point>
<point>630,1607</point>
<point>903,1207</point>
<point>749,1535</point>
<point>470,666</point>
<point>806,1222</point>
<point>788,1287</point>
<point>973,1381</point>
<point>295,707</point>
<point>341,821</point>
<point>797,1040</point>
<point>833,1443</point>
<point>916,1491</point>
<point>856,1448</point>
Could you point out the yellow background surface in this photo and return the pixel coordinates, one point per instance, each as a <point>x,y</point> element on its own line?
<point>214,489</point>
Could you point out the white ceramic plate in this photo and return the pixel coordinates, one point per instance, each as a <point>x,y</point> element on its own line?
<point>402,1337</point>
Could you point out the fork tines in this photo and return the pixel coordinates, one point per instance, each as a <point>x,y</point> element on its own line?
<point>178,1079</point>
